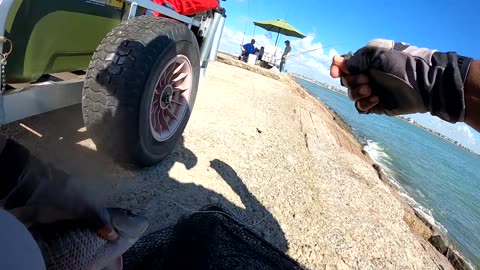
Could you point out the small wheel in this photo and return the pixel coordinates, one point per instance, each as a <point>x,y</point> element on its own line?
<point>140,89</point>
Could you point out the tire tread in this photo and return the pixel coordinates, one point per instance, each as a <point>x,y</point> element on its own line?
<point>115,81</point>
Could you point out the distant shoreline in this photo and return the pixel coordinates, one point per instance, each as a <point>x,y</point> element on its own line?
<point>450,140</point>
<point>321,84</point>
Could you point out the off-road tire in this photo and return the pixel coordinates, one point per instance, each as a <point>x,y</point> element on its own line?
<point>121,80</point>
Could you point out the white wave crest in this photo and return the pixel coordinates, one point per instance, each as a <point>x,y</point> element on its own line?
<point>378,155</point>
<point>424,212</point>
<point>376,152</point>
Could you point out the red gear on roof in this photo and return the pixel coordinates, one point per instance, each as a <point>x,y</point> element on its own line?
<point>189,7</point>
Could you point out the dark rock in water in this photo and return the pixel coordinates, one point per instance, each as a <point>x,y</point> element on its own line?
<point>453,257</point>
<point>438,242</point>
<point>420,225</point>
<point>457,262</point>
<point>426,222</point>
<point>380,173</point>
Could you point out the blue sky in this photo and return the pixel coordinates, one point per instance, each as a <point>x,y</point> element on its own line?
<point>343,26</point>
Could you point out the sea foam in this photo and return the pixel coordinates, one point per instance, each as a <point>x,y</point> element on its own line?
<point>378,155</point>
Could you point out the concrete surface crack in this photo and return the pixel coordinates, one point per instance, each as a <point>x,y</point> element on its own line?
<point>306,140</point>
<point>313,124</point>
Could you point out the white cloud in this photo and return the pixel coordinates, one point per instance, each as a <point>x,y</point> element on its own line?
<point>313,61</point>
<point>467,133</point>
<point>308,57</point>
<point>231,41</point>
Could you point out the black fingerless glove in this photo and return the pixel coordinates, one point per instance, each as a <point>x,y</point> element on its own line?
<point>409,79</point>
<point>41,193</point>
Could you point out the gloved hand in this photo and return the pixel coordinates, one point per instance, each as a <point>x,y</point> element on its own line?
<point>392,78</point>
<point>38,193</point>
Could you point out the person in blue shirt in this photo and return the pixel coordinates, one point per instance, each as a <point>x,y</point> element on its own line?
<point>248,48</point>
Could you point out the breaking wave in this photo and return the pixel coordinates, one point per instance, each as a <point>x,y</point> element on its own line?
<point>378,154</point>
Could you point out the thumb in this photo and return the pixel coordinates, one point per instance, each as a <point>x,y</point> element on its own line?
<point>338,67</point>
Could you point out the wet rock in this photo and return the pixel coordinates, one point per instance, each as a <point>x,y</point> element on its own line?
<point>457,262</point>
<point>380,173</point>
<point>438,242</point>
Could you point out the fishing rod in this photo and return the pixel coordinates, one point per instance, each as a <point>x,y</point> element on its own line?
<point>309,51</point>
<point>329,61</point>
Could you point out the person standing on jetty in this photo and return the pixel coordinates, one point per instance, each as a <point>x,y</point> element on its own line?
<point>287,50</point>
<point>393,78</point>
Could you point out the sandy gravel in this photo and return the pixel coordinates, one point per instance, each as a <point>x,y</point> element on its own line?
<point>258,148</point>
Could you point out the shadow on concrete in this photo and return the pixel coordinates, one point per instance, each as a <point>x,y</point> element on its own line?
<point>58,137</point>
<point>168,199</point>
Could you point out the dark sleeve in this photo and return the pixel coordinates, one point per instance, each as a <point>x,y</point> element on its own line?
<point>446,96</point>
<point>13,159</point>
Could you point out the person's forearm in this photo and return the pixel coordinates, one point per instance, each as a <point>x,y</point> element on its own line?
<point>472,96</point>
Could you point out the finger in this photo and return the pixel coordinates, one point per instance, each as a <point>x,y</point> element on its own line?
<point>359,92</point>
<point>340,63</point>
<point>108,233</point>
<point>365,104</point>
<point>354,81</point>
<point>98,219</point>
<point>335,71</point>
<point>103,224</point>
<point>338,67</point>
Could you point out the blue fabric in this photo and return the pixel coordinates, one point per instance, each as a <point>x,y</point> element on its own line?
<point>282,65</point>
<point>249,48</point>
<point>18,249</point>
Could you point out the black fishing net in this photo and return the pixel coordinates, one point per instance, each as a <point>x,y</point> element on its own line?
<point>206,241</point>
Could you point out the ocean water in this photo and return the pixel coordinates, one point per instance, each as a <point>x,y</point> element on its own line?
<point>439,179</point>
